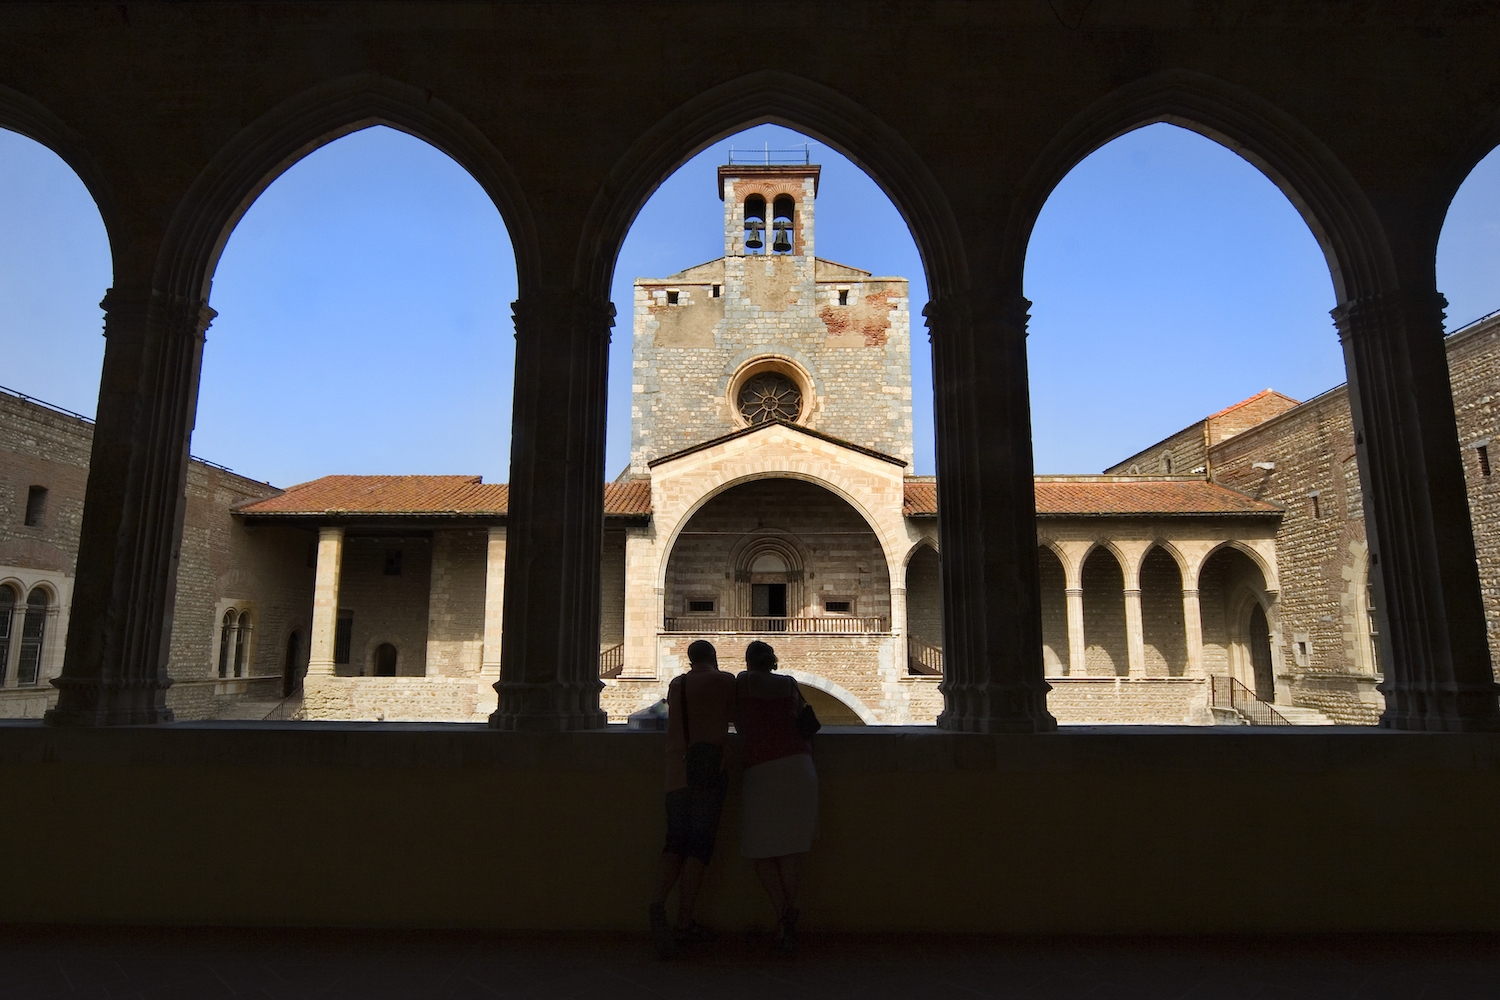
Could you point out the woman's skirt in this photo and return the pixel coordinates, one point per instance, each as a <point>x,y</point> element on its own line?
<point>779,807</point>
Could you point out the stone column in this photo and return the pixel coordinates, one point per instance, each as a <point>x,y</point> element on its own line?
<point>1432,628</point>
<point>549,674</point>
<point>992,626</point>
<point>1135,636</point>
<point>1192,619</point>
<point>115,664</point>
<point>494,604</point>
<point>643,617</point>
<point>1077,645</point>
<point>325,620</point>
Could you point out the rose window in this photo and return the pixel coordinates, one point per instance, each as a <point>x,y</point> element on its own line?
<point>769,396</point>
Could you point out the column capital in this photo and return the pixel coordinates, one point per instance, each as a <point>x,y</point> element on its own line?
<point>1425,306</point>
<point>541,312</point>
<point>127,309</point>
<point>1006,313</point>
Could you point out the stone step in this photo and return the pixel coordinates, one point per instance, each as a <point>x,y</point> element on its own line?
<point>247,709</point>
<point>1299,716</point>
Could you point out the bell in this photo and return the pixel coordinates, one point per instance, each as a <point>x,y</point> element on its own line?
<point>783,241</point>
<point>753,228</point>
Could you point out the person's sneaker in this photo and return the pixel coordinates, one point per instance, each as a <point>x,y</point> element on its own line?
<point>693,933</point>
<point>661,932</point>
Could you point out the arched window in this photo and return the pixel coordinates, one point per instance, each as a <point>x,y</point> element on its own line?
<point>385,660</point>
<point>241,640</point>
<point>226,637</point>
<point>755,224</point>
<point>781,225</point>
<point>33,632</point>
<point>7,614</point>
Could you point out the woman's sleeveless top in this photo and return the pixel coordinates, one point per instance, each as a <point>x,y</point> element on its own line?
<point>769,728</point>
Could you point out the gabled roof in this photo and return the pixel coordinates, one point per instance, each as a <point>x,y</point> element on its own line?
<point>1114,496</point>
<point>746,431</point>
<point>422,496</point>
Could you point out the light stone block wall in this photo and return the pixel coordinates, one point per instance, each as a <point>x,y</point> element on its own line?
<point>855,357</point>
<point>389,609</point>
<point>455,606</point>
<point>1114,701</point>
<point>221,560</point>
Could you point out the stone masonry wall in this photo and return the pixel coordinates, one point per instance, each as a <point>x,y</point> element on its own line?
<point>1474,367</point>
<point>1162,624</point>
<point>924,597</point>
<point>854,358</point>
<point>842,558</point>
<point>389,609</point>
<point>455,608</point>
<point>1104,615</point>
<point>221,560</point>
<point>1054,613</point>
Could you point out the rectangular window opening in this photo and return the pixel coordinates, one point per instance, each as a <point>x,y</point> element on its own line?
<point>701,607</point>
<point>1317,511</point>
<point>392,562</point>
<point>672,298</point>
<point>36,506</point>
<point>838,607</point>
<point>1484,459</point>
<point>717,289</point>
<point>343,634</point>
<point>843,296</point>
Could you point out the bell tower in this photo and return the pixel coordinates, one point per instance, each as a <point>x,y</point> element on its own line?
<point>768,210</point>
<point>768,332</point>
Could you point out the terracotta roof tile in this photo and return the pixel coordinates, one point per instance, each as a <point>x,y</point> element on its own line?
<point>416,495</point>
<point>1114,498</point>
<point>468,496</point>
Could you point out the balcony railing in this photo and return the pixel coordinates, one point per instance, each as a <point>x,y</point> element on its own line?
<point>1226,692</point>
<point>612,660</point>
<point>923,660</point>
<point>830,625</point>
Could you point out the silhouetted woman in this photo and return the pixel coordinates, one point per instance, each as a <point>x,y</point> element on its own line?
<point>780,792</point>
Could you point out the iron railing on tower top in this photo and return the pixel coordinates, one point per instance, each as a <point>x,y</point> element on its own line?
<point>769,157</point>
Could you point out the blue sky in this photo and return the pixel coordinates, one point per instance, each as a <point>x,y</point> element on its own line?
<point>364,300</point>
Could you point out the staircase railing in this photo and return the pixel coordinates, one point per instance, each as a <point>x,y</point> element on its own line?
<point>288,708</point>
<point>1227,692</point>
<point>612,660</point>
<point>923,660</point>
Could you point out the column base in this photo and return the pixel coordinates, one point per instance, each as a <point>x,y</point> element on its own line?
<point>1454,709</point>
<point>993,708</point>
<point>548,708</point>
<point>88,702</point>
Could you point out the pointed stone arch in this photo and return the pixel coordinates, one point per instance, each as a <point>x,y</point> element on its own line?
<point>262,151</point>
<point>771,96</point>
<point>24,116</point>
<point>1323,191</point>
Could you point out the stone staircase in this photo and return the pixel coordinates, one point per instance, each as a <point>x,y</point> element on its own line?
<point>1299,716</point>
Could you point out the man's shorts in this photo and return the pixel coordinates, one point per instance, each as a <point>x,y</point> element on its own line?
<point>693,820</point>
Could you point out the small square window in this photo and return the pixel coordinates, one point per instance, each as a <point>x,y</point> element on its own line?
<point>672,298</point>
<point>36,506</point>
<point>843,296</point>
<point>392,562</point>
<point>837,607</point>
<point>701,607</point>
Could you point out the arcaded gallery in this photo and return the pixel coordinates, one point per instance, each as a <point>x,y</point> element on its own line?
<point>1008,664</point>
